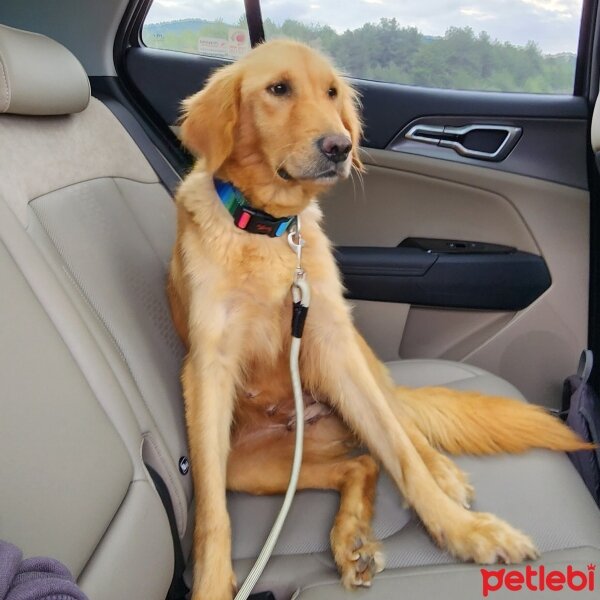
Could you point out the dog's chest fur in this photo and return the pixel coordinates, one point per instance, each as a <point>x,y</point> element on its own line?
<point>239,291</point>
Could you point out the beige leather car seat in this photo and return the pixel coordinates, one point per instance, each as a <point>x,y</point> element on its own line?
<point>92,225</point>
<point>72,481</point>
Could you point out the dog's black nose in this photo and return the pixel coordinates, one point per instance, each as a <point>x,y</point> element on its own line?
<point>335,147</point>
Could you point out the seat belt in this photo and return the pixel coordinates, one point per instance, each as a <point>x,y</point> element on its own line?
<point>178,589</point>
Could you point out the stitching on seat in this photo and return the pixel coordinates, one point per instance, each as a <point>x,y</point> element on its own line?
<point>79,288</point>
<point>5,79</point>
<point>135,219</point>
<point>86,300</point>
<point>467,374</point>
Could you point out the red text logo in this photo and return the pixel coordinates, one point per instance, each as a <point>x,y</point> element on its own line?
<point>538,580</point>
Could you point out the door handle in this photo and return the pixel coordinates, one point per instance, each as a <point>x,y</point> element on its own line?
<point>455,138</point>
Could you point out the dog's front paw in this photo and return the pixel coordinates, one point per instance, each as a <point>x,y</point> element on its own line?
<point>486,539</point>
<point>356,552</point>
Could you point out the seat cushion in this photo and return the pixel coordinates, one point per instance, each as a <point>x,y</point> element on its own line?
<point>460,582</point>
<point>390,516</point>
<point>539,492</point>
<point>424,372</point>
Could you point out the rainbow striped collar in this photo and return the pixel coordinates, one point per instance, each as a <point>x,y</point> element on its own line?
<point>247,218</point>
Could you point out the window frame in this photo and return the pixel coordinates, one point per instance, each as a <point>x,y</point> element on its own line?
<point>585,80</point>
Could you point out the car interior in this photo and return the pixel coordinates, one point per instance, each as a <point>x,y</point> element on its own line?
<point>93,451</point>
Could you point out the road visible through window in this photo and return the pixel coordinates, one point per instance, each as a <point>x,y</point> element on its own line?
<point>496,45</point>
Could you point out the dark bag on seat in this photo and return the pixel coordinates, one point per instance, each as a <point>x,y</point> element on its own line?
<point>581,404</point>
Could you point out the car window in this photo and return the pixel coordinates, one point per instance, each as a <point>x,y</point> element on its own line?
<point>497,45</point>
<point>216,28</point>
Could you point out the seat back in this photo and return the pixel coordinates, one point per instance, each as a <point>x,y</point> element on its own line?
<point>73,441</point>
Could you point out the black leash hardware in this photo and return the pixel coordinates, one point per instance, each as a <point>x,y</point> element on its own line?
<point>300,289</point>
<point>299,312</point>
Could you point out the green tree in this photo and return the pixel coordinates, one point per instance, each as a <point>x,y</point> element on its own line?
<point>386,51</point>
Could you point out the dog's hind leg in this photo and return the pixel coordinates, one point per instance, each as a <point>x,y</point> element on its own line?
<point>265,469</point>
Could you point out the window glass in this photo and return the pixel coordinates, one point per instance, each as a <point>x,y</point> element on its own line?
<point>499,45</point>
<point>213,28</point>
<point>496,45</point>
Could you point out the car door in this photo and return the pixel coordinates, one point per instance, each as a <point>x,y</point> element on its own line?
<point>467,237</point>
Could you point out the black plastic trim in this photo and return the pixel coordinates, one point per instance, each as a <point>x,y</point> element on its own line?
<point>180,74</point>
<point>124,91</point>
<point>507,281</point>
<point>388,108</point>
<point>583,72</point>
<point>255,23</point>
<point>553,149</point>
<point>129,32</point>
<point>453,246</point>
<point>594,183</point>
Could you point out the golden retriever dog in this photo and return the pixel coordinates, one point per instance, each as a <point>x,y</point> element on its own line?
<point>282,126</point>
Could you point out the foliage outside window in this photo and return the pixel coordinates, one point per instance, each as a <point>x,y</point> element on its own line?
<point>388,50</point>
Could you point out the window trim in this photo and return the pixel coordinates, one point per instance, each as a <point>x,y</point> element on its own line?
<point>583,77</point>
<point>132,25</point>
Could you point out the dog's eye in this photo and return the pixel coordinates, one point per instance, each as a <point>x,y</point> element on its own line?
<point>279,89</point>
<point>332,92</point>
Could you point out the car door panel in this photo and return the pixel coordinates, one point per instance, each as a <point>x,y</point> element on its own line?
<point>405,195</point>
<point>550,149</point>
<point>477,280</point>
<point>164,78</point>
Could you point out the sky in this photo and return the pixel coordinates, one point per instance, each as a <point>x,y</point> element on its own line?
<point>553,24</point>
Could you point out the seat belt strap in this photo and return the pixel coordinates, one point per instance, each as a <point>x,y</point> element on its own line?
<point>178,589</point>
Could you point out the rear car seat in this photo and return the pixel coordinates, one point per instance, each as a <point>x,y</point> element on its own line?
<point>77,191</point>
<point>72,481</point>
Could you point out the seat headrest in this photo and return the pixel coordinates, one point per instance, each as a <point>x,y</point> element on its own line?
<point>39,76</point>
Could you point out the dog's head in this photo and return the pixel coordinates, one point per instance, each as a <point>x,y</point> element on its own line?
<point>280,123</point>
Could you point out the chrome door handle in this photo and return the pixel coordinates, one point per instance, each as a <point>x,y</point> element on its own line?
<point>428,134</point>
<point>454,137</point>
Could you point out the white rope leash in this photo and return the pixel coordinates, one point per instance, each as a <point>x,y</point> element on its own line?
<point>301,298</point>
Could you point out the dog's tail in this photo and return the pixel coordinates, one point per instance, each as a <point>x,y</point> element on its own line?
<point>462,422</point>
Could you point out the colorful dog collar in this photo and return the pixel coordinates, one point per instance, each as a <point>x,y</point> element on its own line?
<point>247,218</point>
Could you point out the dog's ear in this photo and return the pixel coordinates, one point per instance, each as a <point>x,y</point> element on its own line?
<point>352,122</point>
<point>210,116</point>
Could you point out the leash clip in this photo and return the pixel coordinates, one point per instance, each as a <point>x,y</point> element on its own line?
<point>296,243</point>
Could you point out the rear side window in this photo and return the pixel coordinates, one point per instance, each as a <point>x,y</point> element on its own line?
<point>218,28</point>
<point>494,45</point>
<point>491,45</point>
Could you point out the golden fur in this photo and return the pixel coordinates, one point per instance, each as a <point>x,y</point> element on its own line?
<point>230,297</point>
